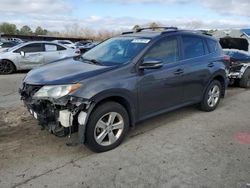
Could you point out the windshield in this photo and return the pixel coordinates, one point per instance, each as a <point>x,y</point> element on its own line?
<point>116,51</point>
<point>15,47</point>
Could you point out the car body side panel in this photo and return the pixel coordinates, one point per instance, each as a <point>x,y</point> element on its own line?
<point>159,89</point>
<point>31,60</point>
<point>196,73</point>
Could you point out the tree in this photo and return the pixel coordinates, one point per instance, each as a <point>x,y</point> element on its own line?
<point>136,27</point>
<point>154,25</point>
<point>7,28</point>
<point>40,31</point>
<point>25,30</point>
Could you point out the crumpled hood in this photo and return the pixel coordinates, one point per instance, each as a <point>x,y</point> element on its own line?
<point>64,71</point>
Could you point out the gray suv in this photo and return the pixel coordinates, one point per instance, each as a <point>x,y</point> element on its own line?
<point>124,80</point>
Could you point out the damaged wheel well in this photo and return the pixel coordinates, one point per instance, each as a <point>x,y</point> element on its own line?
<point>223,83</point>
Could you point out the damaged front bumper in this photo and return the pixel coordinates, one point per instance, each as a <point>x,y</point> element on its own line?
<point>60,117</point>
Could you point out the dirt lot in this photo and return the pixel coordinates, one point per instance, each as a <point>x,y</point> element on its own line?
<point>186,148</point>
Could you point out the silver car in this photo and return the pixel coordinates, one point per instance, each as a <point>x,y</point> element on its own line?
<point>28,55</point>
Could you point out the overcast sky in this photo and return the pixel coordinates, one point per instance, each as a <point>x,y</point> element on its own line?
<point>120,14</point>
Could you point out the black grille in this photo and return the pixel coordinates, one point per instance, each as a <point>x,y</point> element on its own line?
<point>29,90</point>
<point>236,68</point>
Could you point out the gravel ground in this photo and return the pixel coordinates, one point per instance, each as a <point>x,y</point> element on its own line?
<point>185,148</point>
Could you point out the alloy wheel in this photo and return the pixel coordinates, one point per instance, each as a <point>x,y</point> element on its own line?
<point>109,128</point>
<point>213,96</point>
<point>5,67</point>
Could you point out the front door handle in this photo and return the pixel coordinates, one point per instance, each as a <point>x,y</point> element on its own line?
<point>210,65</point>
<point>178,72</point>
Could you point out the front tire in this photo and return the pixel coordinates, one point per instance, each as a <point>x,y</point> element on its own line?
<point>212,97</point>
<point>245,80</point>
<point>6,67</point>
<point>107,127</point>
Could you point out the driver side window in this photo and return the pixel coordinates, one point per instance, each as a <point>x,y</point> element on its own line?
<point>165,50</point>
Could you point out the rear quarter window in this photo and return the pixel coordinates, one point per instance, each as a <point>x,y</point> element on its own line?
<point>213,46</point>
<point>193,47</point>
<point>60,48</point>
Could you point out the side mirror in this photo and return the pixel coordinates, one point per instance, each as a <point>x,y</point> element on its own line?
<point>151,64</point>
<point>22,53</point>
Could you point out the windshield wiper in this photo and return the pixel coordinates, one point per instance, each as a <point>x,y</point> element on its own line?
<point>92,61</point>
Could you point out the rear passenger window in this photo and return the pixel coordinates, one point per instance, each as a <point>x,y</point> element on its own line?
<point>213,46</point>
<point>166,50</point>
<point>193,47</point>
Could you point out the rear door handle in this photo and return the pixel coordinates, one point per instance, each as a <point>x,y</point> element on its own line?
<point>178,72</point>
<point>210,65</point>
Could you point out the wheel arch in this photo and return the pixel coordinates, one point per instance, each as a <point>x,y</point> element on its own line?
<point>5,59</point>
<point>223,82</point>
<point>222,79</point>
<point>122,100</point>
<point>8,60</point>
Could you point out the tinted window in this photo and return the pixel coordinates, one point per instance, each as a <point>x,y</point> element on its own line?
<point>64,42</point>
<point>166,50</point>
<point>213,46</point>
<point>192,47</point>
<point>36,47</point>
<point>8,45</point>
<point>60,48</point>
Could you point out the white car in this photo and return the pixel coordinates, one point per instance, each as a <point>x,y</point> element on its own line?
<point>28,55</point>
<point>66,43</point>
<point>6,44</point>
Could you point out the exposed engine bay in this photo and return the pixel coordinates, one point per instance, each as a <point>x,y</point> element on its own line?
<point>238,50</point>
<point>60,117</point>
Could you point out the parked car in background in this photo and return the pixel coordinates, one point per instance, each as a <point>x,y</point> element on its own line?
<point>239,67</point>
<point>124,80</point>
<point>238,51</point>
<point>87,47</point>
<point>16,40</point>
<point>7,44</point>
<point>28,55</point>
<point>82,43</point>
<point>66,43</point>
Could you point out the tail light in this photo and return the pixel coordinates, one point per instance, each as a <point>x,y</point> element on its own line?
<point>227,58</point>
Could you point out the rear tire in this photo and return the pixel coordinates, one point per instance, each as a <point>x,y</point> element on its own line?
<point>7,67</point>
<point>212,97</point>
<point>245,80</point>
<point>107,127</point>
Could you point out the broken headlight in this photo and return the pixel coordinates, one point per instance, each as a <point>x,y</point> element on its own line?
<point>56,91</point>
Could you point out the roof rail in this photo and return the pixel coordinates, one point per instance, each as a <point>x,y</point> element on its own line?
<point>203,32</point>
<point>154,28</point>
<point>165,30</point>
<point>127,32</point>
